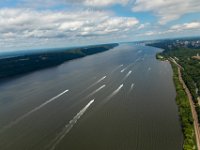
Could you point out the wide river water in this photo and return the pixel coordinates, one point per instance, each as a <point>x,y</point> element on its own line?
<point>121,99</point>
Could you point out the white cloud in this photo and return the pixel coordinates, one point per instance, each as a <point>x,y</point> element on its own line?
<point>186,26</point>
<point>148,33</point>
<point>191,28</point>
<point>90,3</point>
<point>31,25</point>
<point>72,25</point>
<point>142,26</point>
<point>100,3</point>
<point>167,10</point>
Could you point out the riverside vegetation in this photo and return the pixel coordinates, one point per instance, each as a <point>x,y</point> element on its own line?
<point>184,113</point>
<point>191,76</point>
<point>23,64</point>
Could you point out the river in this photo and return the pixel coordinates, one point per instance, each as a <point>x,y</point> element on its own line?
<point>121,99</point>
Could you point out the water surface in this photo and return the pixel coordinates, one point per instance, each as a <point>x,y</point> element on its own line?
<point>122,99</point>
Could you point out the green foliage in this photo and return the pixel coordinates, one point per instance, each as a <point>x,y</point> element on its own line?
<point>191,66</point>
<point>24,64</point>
<point>184,113</point>
<point>160,57</point>
<point>198,111</point>
<point>191,77</point>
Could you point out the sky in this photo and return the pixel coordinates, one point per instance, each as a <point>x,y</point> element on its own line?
<point>36,24</point>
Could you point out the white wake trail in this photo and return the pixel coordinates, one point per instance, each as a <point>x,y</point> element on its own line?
<point>118,89</point>
<point>97,90</point>
<point>100,79</point>
<point>132,86</point>
<point>95,83</point>
<point>114,92</point>
<point>127,67</point>
<point>69,126</point>
<point>122,70</point>
<point>127,75</point>
<point>118,67</point>
<point>137,59</point>
<point>32,111</point>
<point>92,85</point>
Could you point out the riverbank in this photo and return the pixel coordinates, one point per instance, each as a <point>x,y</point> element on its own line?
<point>184,107</point>
<point>187,83</point>
<point>27,63</point>
<point>185,112</point>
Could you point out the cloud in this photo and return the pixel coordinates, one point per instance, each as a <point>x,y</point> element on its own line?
<point>87,3</point>
<point>103,3</point>
<point>142,26</point>
<point>28,24</point>
<point>149,33</point>
<point>191,28</point>
<point>167,10</point>
<point>186,26</point>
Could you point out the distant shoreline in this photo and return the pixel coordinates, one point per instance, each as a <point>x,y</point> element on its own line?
<point>26,63</point>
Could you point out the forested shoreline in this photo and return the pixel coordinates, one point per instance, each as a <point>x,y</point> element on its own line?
<point>27,63</point>
<point>191,75</point>
<point>191,67</point>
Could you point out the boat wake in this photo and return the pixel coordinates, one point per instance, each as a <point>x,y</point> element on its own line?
<point>127,75</point>
<point>97,90</point>
<point>131,88</point>
<point>32,111</point>
<point>69,126</point>
<point>113,93</point>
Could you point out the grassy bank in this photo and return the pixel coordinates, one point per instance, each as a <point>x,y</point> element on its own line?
<point>185,113</point>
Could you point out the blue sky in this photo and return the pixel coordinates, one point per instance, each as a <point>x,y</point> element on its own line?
<point>33,24</point>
